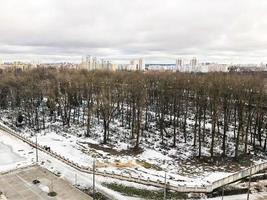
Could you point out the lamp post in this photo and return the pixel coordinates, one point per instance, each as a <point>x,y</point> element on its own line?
<point>36,146</point>
<point>222,192</point>
<point>250,171</point>
<point>94,179</point>
<point>165,188</point>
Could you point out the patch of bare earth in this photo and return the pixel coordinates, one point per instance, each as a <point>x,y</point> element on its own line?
<point>110,149</point>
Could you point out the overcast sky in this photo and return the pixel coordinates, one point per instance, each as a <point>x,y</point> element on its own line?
<point>64,30</point>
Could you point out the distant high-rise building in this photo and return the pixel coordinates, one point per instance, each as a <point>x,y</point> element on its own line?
<point>89,62</point>
<point>179,63</point>
<point>103,62</point>
<point>141,64</point>
<point>193,62</point>
<point>136,65</point>
<point>94,64</point>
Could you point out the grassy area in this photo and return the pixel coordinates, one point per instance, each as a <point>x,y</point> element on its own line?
<point>143,193</point>
<point>148,165</point>
<point>98,195</point>
<point>228,190</point>
<point>52,194</point>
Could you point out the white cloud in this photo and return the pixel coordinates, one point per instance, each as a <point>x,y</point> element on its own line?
<point>230,30</point>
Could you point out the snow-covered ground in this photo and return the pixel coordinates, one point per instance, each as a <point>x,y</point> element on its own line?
<point>72,147</point>
<point>15,154</point>
<point>12,155</point>
<point>151,162</point>
<point>27,157</point>
<point>15,148</point>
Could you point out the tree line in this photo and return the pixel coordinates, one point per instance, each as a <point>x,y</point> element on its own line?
<point>208,110</point>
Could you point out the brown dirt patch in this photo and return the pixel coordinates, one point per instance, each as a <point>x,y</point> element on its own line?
<point>109,149</point>
<point>129,164</point>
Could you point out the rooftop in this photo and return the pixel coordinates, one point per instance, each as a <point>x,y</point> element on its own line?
<point>18,185</point>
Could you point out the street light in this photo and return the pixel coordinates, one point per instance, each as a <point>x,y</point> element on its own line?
<point>250,171</point>
<point>94,179</point>
<point>36,146</point>
<point>222,192</point>
<point>165,186</point>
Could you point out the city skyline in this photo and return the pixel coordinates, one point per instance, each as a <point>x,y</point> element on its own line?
<point>57,31</point>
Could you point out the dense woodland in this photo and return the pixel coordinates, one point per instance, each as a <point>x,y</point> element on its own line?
<point>222,106</point>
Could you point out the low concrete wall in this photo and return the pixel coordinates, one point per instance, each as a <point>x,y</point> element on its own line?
<point>238,175</point>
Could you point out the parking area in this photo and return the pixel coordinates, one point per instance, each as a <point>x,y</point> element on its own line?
<point>18,185</point>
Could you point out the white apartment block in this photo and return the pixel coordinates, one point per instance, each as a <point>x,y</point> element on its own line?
<point>195,66</point>
<point>137,65</point>
<point>93,63</point>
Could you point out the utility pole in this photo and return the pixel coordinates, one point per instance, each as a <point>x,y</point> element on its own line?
<point>36,147</point>
<point>222,192</point>
<point>51,187</point>
<point>250,171</point>
<point>165,188</point>
<point>94,179</point>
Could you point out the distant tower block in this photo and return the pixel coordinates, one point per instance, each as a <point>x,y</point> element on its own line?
<point>141,64</point>
<point>193,64</point>
<point>95,66</point>
<point>89,62</point>
<point>136,65</point>
<point>179,63</point>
